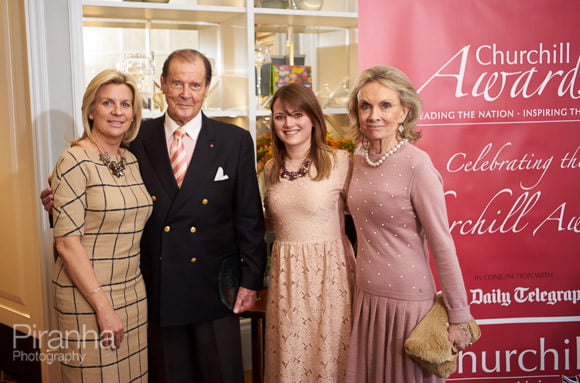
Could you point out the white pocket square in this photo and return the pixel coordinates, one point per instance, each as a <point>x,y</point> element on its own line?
<point>220,176</point>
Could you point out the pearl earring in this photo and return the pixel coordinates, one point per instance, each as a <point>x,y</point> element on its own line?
<point>401,128</point>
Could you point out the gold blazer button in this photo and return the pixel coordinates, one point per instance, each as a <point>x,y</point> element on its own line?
<point>193,260</point>
<point>193,229</point>
<point>153,198</point>
<point>167,229</point>
<point>204,201</point>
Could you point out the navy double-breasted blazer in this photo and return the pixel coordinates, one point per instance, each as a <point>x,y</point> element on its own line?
<point>193,228</point>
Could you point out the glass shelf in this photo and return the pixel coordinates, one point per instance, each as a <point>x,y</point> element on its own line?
<point>227,32</point>
<point>161,12</point>
<point>290,17</point>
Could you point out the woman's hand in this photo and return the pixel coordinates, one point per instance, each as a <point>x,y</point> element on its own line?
<point>82,274</point>
<point>459,336</point>
<point>111,326</point>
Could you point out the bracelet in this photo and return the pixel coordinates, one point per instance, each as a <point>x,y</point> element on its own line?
<point>94,292</point>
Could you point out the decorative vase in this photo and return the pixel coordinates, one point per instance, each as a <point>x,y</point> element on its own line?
<point>309,5</point>
<point>323,95</point>
<point>339,97</point>
<point>141,67</point>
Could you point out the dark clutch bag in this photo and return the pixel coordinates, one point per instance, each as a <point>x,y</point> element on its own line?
<point>229,280</point>
<point>428,344</point>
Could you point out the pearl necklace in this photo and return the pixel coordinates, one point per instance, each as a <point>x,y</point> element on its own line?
<point>291,176</point>
<point>384,156</point>
<point>115,167</point>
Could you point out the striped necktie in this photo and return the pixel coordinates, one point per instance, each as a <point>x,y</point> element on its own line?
<point>178,156</point>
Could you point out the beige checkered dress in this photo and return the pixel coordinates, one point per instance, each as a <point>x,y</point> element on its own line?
<point>109,213</point>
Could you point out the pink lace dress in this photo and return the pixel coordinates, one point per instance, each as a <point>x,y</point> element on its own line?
<point>310,290</point>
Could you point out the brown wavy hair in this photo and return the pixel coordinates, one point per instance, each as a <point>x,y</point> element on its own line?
<point>321,154</point>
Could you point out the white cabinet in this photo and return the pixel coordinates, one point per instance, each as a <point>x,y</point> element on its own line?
<point>106,32</point>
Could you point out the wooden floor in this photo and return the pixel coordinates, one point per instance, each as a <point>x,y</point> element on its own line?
<point>5,378</point>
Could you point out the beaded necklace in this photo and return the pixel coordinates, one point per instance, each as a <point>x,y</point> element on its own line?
<point>115,167</point>
<point>384,156</point>
<point>291,176</point>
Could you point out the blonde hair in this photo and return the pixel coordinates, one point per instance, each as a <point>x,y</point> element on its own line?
<point>396,80</point>
<point>110,76</point>
<point>321,154</point>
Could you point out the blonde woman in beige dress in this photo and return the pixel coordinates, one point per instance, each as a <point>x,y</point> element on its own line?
<point>100,209</point>
<point>309,294</point>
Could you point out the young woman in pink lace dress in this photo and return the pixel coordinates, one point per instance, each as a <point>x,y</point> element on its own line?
<point>309,294</point>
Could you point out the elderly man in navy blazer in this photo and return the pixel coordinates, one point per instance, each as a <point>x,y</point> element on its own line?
<point>210,211</point>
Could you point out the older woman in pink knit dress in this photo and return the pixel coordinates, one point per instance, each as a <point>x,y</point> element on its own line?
<point>397,202</point>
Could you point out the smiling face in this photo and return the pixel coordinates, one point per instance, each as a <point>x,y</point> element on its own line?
<point>112,111</point>
<point>380,113</point>
<point>185,89</point>
<point>292,126</point>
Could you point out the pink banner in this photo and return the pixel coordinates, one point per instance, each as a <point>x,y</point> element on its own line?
<point>500,85</point>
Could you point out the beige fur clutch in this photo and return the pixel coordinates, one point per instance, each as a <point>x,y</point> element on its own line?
<point>428,344</point>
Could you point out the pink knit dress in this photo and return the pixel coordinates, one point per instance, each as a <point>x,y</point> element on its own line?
<point>397,208</point>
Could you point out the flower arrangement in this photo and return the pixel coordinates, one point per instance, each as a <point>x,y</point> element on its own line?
<point>286,74</point>
<point>264,148</point>
<point>344,144</point>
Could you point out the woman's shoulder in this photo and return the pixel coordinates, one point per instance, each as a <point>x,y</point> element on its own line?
<point>417,155</point>
<point>342,154</point>
<point>130,156</point>
<point>359,151</point>
<point>421,164</point>
<point>74,162</point>
<point>341,157</point>
<point>342,166</point>
<point>76,154</point>
<point>268,167</point>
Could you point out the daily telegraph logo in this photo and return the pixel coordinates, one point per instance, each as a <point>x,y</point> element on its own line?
<point>523,295</point>
<point>62,346</point>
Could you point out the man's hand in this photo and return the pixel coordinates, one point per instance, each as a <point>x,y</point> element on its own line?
<point>245,300</point>
<point>47,198</point>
